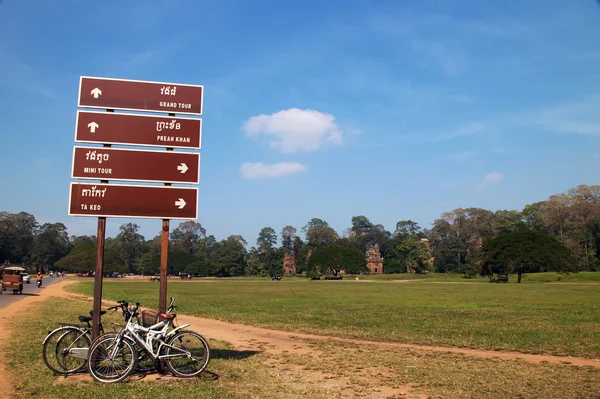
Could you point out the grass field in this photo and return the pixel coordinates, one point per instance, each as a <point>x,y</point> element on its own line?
<point>330,371</point>
<point>561,319</point>
<point>548,277</point>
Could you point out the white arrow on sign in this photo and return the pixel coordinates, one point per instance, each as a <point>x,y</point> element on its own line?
<point>93,126</point>
<point>180,203</point>
<point>182,167</point>
<point>96,92</point>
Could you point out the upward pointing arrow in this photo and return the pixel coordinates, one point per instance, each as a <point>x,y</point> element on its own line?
<point>96,92</point>
<point>93,126</point>
<point>180,203</point>
<point>182,167</point>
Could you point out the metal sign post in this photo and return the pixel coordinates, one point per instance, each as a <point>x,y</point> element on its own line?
<point>105,163</point>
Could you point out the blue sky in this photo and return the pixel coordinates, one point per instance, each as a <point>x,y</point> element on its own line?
<point>389,109</point>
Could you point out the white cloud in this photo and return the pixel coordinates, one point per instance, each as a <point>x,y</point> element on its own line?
<point>259,170</point>
<point>491,178</point>
<point>295,129</point>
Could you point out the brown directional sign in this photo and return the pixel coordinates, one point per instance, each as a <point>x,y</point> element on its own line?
<point>135,165</point>
<point>157,131</point>
<point>140,95</point>
<point>133,201</point>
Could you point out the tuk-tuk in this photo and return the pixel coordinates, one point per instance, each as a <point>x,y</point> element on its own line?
<point>12,279</point>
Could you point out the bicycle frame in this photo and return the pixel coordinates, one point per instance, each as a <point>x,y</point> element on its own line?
<point>79,353</point>
<point>156,332</point>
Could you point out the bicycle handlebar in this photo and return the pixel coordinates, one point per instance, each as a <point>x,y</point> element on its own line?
<point>133,311</point>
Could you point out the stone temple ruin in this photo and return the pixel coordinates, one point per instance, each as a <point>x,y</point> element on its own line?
<point>289,264</point>
<point>374,260</point>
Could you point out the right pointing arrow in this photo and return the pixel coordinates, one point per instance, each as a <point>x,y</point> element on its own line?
<point>93,126</point>
<point>180,203</point>
<point>182,167</point>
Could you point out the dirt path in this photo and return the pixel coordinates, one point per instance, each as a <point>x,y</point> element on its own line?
<point>7,314</point>
<point>255,338</point>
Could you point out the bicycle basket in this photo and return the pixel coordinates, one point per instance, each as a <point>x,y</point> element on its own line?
<point>149,318</point>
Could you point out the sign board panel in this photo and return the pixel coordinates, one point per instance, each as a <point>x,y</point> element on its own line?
<point>135,165</point>
<point>140,95</point>
<point>133,201</point>
<point>148,130</point>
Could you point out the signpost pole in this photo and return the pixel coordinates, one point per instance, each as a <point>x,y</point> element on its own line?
<point>164,258</point>
<point>98,277</point>
<point>99,274</point>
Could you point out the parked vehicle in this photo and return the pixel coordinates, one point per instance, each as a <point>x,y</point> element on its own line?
<point>12,279</point>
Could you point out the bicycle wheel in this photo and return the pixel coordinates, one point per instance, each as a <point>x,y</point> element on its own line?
<point>193,351</point>
<point>145,362</point>
<point>111,360</point>
<point>72,350</point>
<point>50,350</point>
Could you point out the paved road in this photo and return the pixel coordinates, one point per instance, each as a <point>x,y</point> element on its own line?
<point>30,289</point>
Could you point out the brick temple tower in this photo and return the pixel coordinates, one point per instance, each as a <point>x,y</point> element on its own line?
<point>374,260</point>
<point>289,264</point>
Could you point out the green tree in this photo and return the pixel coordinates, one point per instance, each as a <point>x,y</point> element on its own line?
<point>229,258</point>
<point>334,258</point>
<point>526,252</point>
<point>556,215</point>
<point>508,220</point>
<point>50,245</point>
<point>113,261</point>
<point>200,267</point>
<point>288,233</point>
<point>254,266</point>
<point>267,238</point>
<point>205,248</point>
<point>415,254</point>
<point>360,225</point>
<point>533,216</point>
<point>319,237</point>
<point>186,236</point>
<point>297,246</point>
<point>76,240</point>
<point>81,259</point>
<point>449,247</point>
<point>178,261</point>
<point>407,228</point>
<point>149,264</point>
<point>314,222</point>
<point>17,232</point>
<point>130,244</point>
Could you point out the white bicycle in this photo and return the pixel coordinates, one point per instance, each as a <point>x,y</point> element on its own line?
<point>112,357</point>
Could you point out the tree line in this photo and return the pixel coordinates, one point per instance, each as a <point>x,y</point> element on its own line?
<point>560,233</point>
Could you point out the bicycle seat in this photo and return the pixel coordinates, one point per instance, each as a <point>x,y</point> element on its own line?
<point>101,312</point>
<point>84,319</point>
<point>167,316</point>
